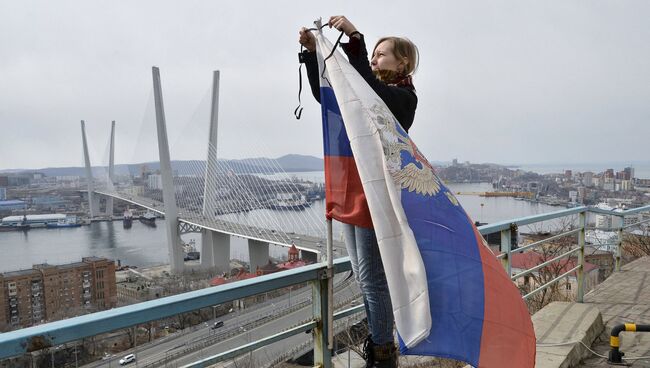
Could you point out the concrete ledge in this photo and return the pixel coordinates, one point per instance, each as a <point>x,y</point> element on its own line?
<point>565,322</point>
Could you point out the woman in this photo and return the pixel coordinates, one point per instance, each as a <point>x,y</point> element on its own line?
<point>388,72</point>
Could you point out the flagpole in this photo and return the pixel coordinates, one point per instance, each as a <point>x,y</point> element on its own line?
<point>330,271</point>
<point>330,288</point>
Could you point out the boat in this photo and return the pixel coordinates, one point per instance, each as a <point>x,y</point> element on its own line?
<point>148,219</point>
<point>191,254</point>
<point>68,221</point>
<point>289,202</point>
<point>127,219</point>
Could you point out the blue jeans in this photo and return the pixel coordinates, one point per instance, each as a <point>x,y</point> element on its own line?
<point>368,269</point>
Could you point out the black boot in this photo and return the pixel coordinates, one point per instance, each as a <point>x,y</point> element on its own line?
<point>379,356</point>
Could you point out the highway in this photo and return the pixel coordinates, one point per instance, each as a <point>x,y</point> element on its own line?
<point>239,328</point>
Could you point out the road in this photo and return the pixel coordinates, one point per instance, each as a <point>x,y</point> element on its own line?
<point>239,328</point>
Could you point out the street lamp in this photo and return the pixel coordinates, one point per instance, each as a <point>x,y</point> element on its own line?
<point>250,352</point>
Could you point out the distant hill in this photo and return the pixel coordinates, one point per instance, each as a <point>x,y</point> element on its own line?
<point>288,163</point>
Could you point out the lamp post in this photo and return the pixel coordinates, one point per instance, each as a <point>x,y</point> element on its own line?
<point>248,338</point>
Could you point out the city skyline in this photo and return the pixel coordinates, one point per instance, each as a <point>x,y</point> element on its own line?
<point>504,82</point>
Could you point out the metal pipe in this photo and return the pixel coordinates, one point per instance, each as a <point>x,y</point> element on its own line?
<point>544,264</point>
<point>505,249</point>
<point>330,287</point>
<point>554,237</point>
<point>581,257</point>
<point>550,282</point>
<point>619,245</point>
<point>615,355</point>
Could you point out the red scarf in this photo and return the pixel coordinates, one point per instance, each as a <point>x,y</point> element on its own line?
<point>393,78</point>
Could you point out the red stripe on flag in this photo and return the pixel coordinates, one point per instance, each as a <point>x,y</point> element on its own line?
<point>508,338</point>
<point>344,197</point>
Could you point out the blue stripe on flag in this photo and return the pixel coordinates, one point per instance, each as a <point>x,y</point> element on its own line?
<point>335,138</point>
<point>452,261</point>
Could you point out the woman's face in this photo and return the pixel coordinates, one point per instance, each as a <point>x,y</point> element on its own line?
<point>384,59</point>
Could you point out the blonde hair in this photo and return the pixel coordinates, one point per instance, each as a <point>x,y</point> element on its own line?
<point>405,50</point>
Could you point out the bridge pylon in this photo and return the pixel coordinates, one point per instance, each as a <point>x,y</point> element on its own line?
<point>169,198</point>
<point>93,205</point>
<point>111,172</point>
<point>215,247</point>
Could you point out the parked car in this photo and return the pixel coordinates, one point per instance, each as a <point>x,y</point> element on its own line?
<point>127,359</point>
<point>217,325</point>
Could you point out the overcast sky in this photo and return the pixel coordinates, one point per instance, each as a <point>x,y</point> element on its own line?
<point>499,81</point>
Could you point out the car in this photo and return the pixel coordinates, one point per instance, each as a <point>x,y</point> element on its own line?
<point>217,325</point>
<point>127,359</point>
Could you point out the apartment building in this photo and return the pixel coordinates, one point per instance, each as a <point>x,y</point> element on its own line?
<point>52,292</point>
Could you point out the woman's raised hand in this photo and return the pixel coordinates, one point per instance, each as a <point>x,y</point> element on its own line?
<point>342,23</point>
<point>307,39</point>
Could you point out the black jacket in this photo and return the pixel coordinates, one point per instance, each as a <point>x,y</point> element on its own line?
<point>401,100</point>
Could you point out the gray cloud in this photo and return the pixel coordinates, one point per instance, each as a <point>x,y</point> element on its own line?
<point>500,81</point>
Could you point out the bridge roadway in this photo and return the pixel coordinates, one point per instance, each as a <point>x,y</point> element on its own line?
<point>194,222</point>
<point>239,328</point>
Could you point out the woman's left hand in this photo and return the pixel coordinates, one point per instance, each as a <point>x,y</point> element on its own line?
<point>342,23</point>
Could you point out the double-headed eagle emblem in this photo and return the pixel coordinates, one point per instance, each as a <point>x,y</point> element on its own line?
<point>417,175</point>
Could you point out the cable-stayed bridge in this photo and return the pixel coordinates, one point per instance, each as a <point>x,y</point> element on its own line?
<point>214,198</point>
<point>253,199</point>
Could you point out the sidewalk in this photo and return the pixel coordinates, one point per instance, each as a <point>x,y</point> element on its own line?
<point>623,298</point>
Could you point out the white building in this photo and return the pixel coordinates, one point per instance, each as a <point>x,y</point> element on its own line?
<point>604,221</point>
<point>627,185</point>
<point>34,220</point>
<point>154,181</point>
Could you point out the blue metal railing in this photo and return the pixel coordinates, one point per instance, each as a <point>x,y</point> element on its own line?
<point>60,332</point>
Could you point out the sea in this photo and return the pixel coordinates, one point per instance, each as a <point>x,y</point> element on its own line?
<point>144,246</point>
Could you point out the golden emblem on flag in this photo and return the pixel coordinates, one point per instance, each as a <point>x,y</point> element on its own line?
<point>417,176</point>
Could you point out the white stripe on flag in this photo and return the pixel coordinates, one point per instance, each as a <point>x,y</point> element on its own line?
<point>403,264</point>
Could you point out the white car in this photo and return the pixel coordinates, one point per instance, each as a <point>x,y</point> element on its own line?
<point>127,359</point>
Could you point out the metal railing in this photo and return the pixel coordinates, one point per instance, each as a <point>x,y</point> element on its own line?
<point>60,332</point>
<point>505,229</point>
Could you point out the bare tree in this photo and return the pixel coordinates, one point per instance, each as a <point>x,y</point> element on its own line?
<point>637,245</point>
<point>544,275</point>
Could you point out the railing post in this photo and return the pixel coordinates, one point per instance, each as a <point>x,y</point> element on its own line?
<point>619,244</point>
<point>505,248</point>
<point>581,257</point>
<point>320,297</point>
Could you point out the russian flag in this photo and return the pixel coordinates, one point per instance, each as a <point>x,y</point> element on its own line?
<point>451,297</point>
<point>344,197</point>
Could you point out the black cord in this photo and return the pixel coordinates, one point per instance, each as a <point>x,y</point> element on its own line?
<point>322,74</point>
<point>298,111</point>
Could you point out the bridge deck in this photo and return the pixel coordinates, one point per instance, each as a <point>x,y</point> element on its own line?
<point>304,242</point>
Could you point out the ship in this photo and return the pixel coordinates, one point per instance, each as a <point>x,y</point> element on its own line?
<point>289,201</point>
<point>69,221</point>
<point>127,219</point>
<point>148,219</point>
<point>191,254</point>
<point>50,220</point>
